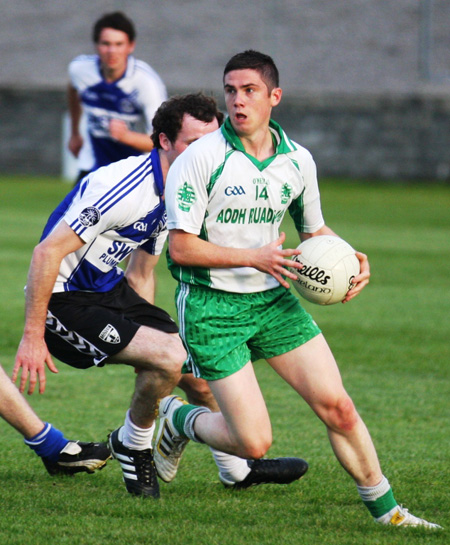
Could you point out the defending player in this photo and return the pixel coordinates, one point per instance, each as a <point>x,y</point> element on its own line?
<point>226,197</point>
<point>117,93</point>
<point>80,307</point>
<point>60,456</point>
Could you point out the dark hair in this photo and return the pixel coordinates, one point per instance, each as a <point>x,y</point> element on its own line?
<point>254,60</point>
<point>168,118</point>
<point>116,20</point>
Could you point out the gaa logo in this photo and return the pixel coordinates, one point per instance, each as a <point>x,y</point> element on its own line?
<point>89,216</point>
<point>140,226</point>
<point>234,190</point>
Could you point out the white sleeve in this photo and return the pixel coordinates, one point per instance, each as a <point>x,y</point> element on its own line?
<point>306,210</point>
<point>152,93</point>
<point>186,191</point>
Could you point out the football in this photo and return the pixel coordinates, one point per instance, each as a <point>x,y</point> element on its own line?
<point>329,266</point>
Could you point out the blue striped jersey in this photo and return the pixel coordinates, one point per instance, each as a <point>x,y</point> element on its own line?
<point>114,210</point>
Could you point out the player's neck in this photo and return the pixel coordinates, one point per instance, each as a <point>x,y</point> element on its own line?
<point>112,74</point>
<point>259,145</point>
<point>165,164</point>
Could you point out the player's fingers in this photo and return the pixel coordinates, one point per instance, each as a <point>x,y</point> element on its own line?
<point>32,382</point>
<point>15,372</point>
<point>42,381</point>
<point>50,363</point>
<point>293,263</point>
<point>23,380</point>
<point>281,239</point>
<point>281,280</point>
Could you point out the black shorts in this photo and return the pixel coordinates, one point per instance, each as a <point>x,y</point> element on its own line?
<point>83,328</point>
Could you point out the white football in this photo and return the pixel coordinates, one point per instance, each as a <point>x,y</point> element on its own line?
<point>329,266</point>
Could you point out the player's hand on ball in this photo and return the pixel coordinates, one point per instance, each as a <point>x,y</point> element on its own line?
<point>271,259</point>
<point>362,279</point>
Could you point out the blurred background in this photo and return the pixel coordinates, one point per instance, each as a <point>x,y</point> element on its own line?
<point>366,82</point>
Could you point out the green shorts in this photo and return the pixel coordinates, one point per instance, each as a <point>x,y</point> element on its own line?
<point>223,331</point>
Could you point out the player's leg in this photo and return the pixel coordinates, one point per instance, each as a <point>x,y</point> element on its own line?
<point>234,471</point>
<point>157,358</point>
<point>15,409</point>
<point>312,371</point>
<point>58,453</point>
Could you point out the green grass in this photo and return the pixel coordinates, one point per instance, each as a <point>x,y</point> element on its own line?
<point>392,347</point>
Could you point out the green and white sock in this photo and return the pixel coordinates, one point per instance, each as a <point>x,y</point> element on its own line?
<point>378,499</point>
<point>184,418</point>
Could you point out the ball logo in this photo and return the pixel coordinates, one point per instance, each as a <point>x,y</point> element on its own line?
<point>89,216</point>
<point>316,274</point>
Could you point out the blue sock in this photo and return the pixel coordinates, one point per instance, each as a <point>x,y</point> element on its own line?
<point>48,443</point>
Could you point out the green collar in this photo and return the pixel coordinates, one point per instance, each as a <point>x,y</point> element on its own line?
<point>280,140</point>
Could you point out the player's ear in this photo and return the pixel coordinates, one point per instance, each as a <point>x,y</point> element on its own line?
<point>164,142</point>
<point>275,96</point>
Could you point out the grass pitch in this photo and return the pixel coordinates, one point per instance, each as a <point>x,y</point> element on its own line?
<point>392,347</point>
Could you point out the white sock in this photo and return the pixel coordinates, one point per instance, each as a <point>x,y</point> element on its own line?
<point>134,437</point>
<point>372,493</point>
<point>232,469</point>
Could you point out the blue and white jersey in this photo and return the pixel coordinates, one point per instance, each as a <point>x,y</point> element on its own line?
<point>114,210</point>
<point>134,98</point>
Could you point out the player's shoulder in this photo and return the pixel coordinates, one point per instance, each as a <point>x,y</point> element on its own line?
<point>83,61</point>
<point>125,172</point>
<point>141,69</point>
<point>300,151</point>
<point>295,151</point>
<point>209,146</point>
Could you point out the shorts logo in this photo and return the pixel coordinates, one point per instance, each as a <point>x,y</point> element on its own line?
<point>186,197</point>
<point>110,335</point>
<point>89,216</point>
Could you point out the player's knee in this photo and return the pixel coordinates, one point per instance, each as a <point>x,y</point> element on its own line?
<point>342,415</point>
<point>256,448</point>
<point>198,392</point>
<point>174,354</point>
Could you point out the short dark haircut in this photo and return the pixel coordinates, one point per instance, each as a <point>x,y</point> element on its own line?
<point>255,60</point>
<point>116,20</point>
<point>168,118</point>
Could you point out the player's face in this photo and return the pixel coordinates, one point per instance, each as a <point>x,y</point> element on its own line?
<point>191,129</point>
<point>248,100</point>
<point>113,48</point>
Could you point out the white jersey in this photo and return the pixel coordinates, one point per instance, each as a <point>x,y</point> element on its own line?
<point>217,191</point>
<point>114,210</point>
<point>134,98</point>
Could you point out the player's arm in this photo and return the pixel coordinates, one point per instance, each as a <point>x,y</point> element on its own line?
<point>360,281</point>
<point>140,274</point>
<point>187,249</point>
<point>119,131</point>
<point>32,354</point>
<point>75,111</point>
